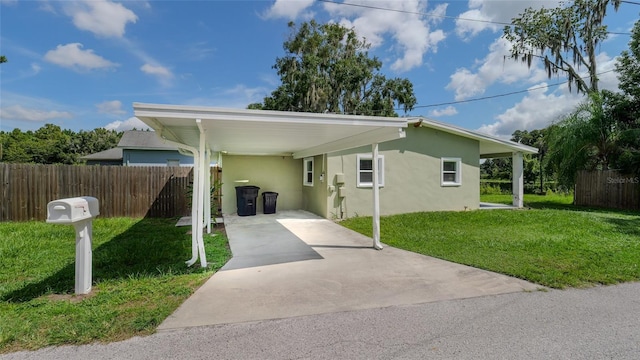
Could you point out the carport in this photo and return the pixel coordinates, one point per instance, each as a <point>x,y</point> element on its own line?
<point>207,132</point>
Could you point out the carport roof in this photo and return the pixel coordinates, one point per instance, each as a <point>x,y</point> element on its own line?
<point>260,132</point>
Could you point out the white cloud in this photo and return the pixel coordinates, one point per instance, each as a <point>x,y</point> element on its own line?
<point>35,68</point>
<point>156,70</point>
<point>129,124</point>
<point>448,111</point>
<point>537,110</point>
<point>411,31</point>
<point>495,67</point>
<point>111,107</point>
<point>72,56</point>
<point>101,17</point>
<point>163,74</point>
<point>8,2</point>
<point>483,14</point>
<point>289,9</point>
<point>237,97</point>
<point>18,112</point>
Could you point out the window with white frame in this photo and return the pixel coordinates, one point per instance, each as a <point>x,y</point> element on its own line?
<point>451,172</point>
<point>365,170</point>
<point>307,176</point>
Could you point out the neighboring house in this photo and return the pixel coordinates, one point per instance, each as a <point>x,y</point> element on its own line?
<point>140,148</point>
<point>107,157</point>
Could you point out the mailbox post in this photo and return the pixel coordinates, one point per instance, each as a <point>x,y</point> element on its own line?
<point>79,212</point>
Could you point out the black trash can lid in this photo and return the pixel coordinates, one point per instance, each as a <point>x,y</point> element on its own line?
<point>248,187</point>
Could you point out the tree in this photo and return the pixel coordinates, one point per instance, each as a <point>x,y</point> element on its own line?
<point>565,38</point>
<point>533,164</point>
<point>3,59</point>
<point>586,139</point>
<point>625,107</point>
<point>327,69</point>
<point>628,66</point>
<point>52,145</point>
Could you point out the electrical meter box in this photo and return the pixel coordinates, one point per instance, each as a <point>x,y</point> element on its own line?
<point>71,210</point>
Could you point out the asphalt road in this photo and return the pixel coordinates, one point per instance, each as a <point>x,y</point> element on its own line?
<point>596,323</point>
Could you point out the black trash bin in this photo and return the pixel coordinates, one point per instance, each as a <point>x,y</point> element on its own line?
<point>269,202</point>
<point>246,199</point>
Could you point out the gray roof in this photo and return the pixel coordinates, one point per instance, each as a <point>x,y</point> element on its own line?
<point>147,140</point>
<point>111,154</point>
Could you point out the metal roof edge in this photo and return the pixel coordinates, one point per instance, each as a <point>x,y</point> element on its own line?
<point>203,112</point>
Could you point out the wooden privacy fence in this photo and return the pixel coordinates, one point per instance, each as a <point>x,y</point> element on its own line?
<point>121,190</point>
<point>608,189</point>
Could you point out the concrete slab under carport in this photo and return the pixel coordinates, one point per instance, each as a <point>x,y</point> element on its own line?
<point>346,274</point>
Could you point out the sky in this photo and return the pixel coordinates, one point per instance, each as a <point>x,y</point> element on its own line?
<point>82,64</point>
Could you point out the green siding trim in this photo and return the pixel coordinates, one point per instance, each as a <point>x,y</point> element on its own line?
<point>412,176</point>
<point>281,174</point>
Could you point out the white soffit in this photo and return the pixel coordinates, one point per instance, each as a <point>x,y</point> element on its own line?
<point>259,132</point>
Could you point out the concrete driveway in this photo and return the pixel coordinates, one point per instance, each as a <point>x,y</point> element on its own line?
<point>294,263</point>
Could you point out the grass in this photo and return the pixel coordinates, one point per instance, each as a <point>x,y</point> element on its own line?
<point>554,243</point>
<point>139,278</point>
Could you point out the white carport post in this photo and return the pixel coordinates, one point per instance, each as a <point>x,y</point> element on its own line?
<point>376,197</point>
<point>518,180</point>
<point>201,183</point>
<point>194,211</point>
<point>207,190</point>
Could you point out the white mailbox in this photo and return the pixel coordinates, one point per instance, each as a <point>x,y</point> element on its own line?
<point>79,212</point>
<point>68,211</point>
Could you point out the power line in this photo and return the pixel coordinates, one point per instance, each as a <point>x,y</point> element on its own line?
<point>499,95</point>
<point>444,16</point>
<point>413,12</point>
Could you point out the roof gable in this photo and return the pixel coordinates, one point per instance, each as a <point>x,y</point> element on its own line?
<point>143,140</point>
<point>490,146</point>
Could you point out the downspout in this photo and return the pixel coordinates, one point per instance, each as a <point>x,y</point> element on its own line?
<point>376,198</point>
<point>194,199</point>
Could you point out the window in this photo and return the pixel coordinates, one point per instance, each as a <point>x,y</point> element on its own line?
<point>451,172</point>
<point>365,170</point>
<point>307,176</point>
<point>173,162</point>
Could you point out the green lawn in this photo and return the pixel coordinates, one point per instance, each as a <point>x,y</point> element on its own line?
<point>139,278</point>
<point>554,243</point>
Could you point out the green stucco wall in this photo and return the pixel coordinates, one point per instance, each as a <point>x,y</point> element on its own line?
<point>314,198</point>
<point>412,176</point>
<point>281,174</point>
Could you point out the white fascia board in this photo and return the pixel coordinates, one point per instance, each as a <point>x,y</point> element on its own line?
<point>210,113</point>
<point>513,146</point>
<point>379,135</point>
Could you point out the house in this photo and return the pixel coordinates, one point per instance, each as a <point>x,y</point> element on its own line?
<point>108,157</point>
<point>140,148</point>
<point>435,167</point>
<point>324,163</point>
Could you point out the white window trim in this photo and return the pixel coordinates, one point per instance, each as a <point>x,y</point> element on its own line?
<point>380,172</point>
<point>458,172</point>
<point>305,172</point>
